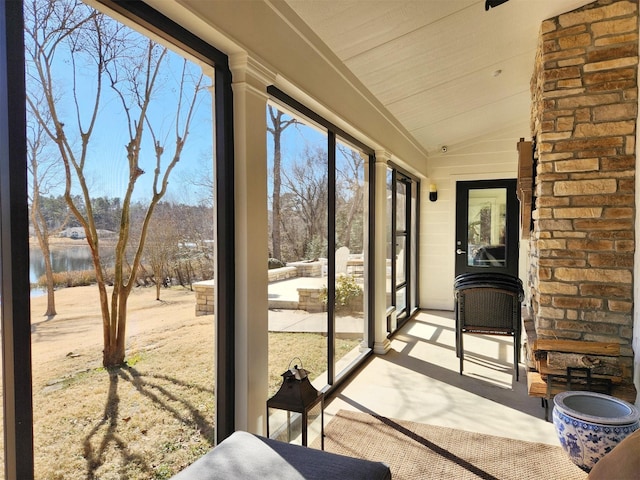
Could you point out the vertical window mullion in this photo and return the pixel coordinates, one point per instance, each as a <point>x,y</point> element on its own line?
<point>394,233</point>
<point>225,362</point>
<point>14,251</point>
<point>331,247</point>
<point>416,246</point>
<point>371,265</point>
<point>407,246</point>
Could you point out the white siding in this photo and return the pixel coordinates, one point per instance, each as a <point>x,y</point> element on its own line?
<point>494,158</point>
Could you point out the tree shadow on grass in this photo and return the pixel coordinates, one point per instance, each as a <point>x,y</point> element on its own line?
<point>95,457</point>
<point>160,396</point>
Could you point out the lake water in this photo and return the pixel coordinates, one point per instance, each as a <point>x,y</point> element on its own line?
<point>63,259</point>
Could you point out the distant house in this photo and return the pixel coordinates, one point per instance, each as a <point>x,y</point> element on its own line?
<point>75,233</point>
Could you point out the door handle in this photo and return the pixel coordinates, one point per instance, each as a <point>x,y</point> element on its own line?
<point>460,252</point>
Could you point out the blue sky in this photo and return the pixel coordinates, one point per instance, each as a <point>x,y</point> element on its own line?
<point>109,163</point>
<point>107,166</point>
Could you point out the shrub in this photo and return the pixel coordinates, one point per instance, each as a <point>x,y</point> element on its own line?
<point>70,279</point>
<point>275,263</point>
<point>348,293</point>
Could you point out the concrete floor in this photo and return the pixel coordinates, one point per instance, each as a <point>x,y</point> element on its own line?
<point>418,380</point>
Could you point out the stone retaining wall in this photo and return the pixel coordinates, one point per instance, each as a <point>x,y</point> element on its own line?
<point>282,273</point>
<point>307,269</point>
<point>309,299</point>
<point>205,297</point>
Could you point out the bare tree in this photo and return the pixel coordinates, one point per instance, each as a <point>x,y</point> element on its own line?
<point>132,68</point>
<point>276,128</point>
<point>162,244</point>
<point>350,195</point>
<point>307,185</point>
<point>293,229</point>
<point>200,182</point>
<point>44,174</point>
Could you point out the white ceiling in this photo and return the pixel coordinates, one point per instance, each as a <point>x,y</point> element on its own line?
<point>448,70</point>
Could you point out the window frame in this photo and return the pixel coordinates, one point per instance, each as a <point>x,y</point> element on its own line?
<point>14,248</point>
<point>153,21</point>
<point>14,230</point>
<point>333,134</point>
<point>410,234</point>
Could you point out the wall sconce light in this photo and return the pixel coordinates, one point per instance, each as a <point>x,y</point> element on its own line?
<point>433,192</point>
<point>493,3</point>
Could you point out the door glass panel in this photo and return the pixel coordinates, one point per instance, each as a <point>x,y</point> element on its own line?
<point>486,226</point>
<point>298,192</point>
<point>401,276</point>
<point>317,293</point>
<point>351,273</point>
<point>401,210</point>
<point>401,300</point>
<point>412,265</point>
<point>389,237</point>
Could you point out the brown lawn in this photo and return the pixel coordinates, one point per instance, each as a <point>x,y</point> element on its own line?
<point>149,419</point>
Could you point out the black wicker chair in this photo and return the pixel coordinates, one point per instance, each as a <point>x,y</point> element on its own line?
<point>490,304</point>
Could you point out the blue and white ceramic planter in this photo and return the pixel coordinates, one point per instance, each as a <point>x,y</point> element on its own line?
<point>590,424</point>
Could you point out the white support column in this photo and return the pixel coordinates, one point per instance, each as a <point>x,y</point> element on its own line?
<point>381,342</point>
<point>250,80</point>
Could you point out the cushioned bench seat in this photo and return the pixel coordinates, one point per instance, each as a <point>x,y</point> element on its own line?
<point>250,457</point>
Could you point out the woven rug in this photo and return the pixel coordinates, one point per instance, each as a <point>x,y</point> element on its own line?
<point>418,451</point>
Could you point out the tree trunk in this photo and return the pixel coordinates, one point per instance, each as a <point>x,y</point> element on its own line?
<point>277,183</point>
<point>110,357</point>
<point>179,275</point>
<point>353,212</point>
<point>42,235</point>
<point>114,344</point>
<point>51,297</point>
<point>277,127</point>
<point>189,270</point>
<point>113,356</point>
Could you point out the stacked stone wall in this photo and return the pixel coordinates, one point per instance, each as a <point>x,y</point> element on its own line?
<point>205,297</point>
<point>283,273</point>
<point>585,101</point>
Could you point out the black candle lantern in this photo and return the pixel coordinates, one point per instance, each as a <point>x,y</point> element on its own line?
<point>297,395</point>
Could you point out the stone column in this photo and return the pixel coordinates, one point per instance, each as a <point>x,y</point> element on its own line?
<point>250,80</point>
<point>585,109</point>
<point>381,342</point>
